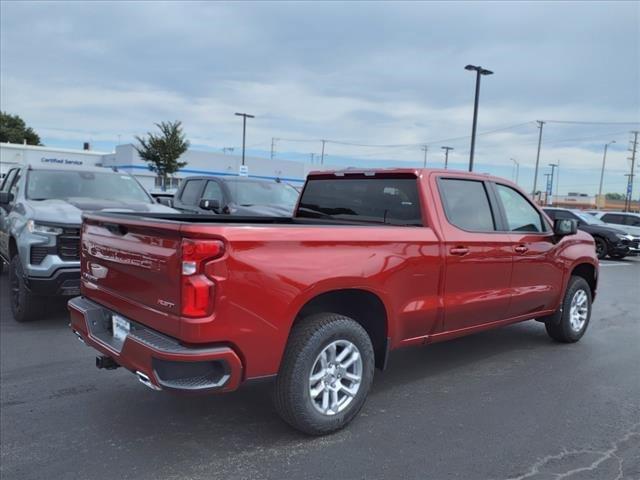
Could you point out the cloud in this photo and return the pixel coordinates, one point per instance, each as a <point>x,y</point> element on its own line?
<point>375,73</point>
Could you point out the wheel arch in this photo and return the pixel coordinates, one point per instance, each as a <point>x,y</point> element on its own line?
<point>589,272</point>
<point>364,306</point>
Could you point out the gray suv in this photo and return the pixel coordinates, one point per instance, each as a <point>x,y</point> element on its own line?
<point>40,218</point>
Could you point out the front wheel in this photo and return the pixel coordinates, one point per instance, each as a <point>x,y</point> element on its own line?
<point>571,321</point>
<point>601,247</point>
<point>24,304</point>
<point>325,375</point>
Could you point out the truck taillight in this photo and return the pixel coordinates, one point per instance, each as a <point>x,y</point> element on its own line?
<point>198,290</point>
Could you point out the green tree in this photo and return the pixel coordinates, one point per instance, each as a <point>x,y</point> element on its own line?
<point>14,130</point>
<point>614,196</point>
<point>161,152</point>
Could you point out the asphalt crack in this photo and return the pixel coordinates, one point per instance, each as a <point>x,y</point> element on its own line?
<point>542,466</point>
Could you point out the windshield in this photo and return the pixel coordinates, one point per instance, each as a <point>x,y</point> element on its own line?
<point>61,185</point>
<point>588,219</point>
<point>249,192</point>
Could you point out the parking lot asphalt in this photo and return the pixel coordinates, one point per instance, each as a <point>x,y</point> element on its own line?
<point>509,403</point>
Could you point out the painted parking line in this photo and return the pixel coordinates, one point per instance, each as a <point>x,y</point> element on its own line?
<point>615,264</point>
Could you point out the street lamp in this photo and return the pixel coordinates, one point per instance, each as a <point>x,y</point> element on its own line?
<point>479,72</point>
<point>446,156</point>
<point>517,165</point>
<point>244,129</point>
<point>604,160</point>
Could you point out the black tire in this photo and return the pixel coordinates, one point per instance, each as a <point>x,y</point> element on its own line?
<point>1,266</point>
<point>25,306</point>
<point>601,247</point>
<point>307,341</point>
<point>559,326</point>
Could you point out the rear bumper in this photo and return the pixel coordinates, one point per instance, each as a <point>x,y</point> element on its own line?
<point>159,361</point>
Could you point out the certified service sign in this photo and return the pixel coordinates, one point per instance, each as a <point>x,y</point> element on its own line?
<point>60,161</point>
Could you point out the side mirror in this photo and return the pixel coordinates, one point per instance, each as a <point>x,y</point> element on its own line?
<point>168,202</point>
<point>210,204</point>
<point>565,226</point>
<point>6,198</point>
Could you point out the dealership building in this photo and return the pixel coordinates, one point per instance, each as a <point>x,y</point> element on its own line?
<point>126,158</point>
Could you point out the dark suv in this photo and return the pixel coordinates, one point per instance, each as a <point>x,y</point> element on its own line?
<point>609,240</point>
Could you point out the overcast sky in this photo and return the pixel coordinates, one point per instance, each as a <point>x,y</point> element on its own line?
<point>367,73</point>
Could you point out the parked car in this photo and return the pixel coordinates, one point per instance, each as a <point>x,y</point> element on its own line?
<point>370,262</point>
<point>627,221</point>
<point>609,240</point>
<point>40,216</point>
<point>234,195</point>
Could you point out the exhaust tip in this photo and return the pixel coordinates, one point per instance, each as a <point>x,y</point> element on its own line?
<point>144,379</point>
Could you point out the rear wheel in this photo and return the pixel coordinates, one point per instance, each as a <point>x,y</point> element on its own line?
<point>325,375</point>
<point>571,321</point>
<point>601,247</point>
<point>25,306</point>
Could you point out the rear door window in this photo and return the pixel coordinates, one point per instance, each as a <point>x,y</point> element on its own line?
<point>466,204</point>
<point>392,200</point>
<point>191,193</point>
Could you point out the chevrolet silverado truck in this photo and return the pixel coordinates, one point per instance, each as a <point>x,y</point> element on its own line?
<point>40,214</point>
<point>371,261</point>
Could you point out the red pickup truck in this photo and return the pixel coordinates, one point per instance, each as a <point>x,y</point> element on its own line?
<point>371,261</point>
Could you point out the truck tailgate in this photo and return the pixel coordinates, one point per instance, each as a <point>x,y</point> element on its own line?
<point>133,266</point>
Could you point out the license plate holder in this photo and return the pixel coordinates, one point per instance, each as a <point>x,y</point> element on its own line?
<point>120,327</point>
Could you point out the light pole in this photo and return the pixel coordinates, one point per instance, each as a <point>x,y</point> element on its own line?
<point>446,156</point>
<point>553,170</point>
<point>479,72</point>
<point>244,130</point>
<point>604,160</point>
<point>517,165</point>
<point>548,189</point>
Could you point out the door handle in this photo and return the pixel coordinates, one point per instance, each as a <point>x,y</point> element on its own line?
<point>521,249</point>
<point>459,251</point>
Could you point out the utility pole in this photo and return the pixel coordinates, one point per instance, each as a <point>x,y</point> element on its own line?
<point>424,149</point>
<point>479,72</point>
<point>604,160</point>
<point>553,171</point>
<point>244,130</point>
<point>446,156</point>
<point>273,147</point>
<point>517,165</point>
<point>629,197</point>
<point>535,173</point>
<point>322,154</point>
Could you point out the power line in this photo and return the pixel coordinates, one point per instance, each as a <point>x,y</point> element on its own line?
<point>580,122</point>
